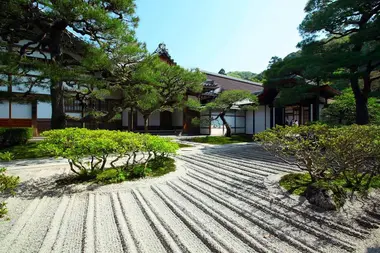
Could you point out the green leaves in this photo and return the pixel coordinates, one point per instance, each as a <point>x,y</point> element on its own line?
<point>7,184</point>
<point>350,153</point>
<point>229,98</point>
<point>342,111</point>
<point>92,150</point>
<point>158,85</point>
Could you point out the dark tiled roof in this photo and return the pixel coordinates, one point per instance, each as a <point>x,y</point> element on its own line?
<point>210,83</point>
<point>209,94</point>
<point>232,83</point>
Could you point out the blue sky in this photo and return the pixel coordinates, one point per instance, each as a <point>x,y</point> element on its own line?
<point>214,34</point>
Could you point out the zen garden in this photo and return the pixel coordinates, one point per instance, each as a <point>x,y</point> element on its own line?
<point>108,143</point>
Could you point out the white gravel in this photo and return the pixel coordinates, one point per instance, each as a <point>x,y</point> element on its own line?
<point>220,199</point>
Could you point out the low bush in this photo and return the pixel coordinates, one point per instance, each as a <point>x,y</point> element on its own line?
<point>156,167</point>
<point>341,159</point>
<point>14,136</point>
<point>90,151</point>
<point>7,184</point>
<point>111,176</point>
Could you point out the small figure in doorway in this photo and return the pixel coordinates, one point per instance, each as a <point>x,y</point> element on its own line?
<point>295,123</point>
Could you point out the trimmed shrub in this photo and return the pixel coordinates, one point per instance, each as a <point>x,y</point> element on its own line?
<point>339,159</point>
<point>15,136</point>
<point>90,151</point>
<point>7,184</point>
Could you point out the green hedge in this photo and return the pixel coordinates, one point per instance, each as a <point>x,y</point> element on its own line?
<point>15,136</point>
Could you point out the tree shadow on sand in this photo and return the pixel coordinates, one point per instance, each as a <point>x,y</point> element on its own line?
<point>53,186</point>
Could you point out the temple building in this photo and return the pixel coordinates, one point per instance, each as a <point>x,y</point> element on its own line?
<point>36,111</point>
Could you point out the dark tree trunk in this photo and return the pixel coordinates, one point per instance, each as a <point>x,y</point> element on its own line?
<point>146,117</point>
<point>317,109</point>
<point>361,101</point>
<point>225,123</point>
<point>58,117</point>
<point>132,121</point>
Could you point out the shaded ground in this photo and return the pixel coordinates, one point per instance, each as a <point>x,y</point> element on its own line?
<point>222,140</point>
<point>221,199</point>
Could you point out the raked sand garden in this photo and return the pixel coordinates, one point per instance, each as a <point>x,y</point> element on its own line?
<point>220,199</point>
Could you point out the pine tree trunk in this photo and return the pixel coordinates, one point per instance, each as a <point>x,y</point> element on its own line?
<point>317,109</point>
<point>146,117</point>
<point>361,101</point>
<point>225,123</point>
<point>58,117</point>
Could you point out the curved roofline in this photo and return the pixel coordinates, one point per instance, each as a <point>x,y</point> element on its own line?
<point>232,78</point>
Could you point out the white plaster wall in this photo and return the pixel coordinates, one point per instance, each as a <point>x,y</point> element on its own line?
<point>240,113</point>
<point>204,127</point>
<point>240,122</point>
<point>21,111</point>
<point>44,110</point>
<point>154,119</point>
<point>177,118</point>
<point>4,109</point>
<point>204,131</point>
<point>217,131</point>
<point>124,117</point>
<point>260,119</point>
<point>230,120</point>
<point>240,130</point>
<point>140,119</point>
<point>268,119</point>
<point>249,122</point>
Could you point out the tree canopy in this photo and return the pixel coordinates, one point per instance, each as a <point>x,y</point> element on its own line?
<point>342,110</point>
<point>79,44</point>
<point>350,28</point>
<point>159,86</point>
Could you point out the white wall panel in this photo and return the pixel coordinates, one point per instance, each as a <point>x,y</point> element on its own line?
<point>140,119</point>
<point>44,110</point>
<point>124,117</point>
<point>240,130</point>
<point>4,109</point>
<point>240,122</point>
<point>268,118</point>
<point>21,111</point>
<point>249,122</point>
<point>260,119</point>
<point>177,118</point>
<point>154,119</point>
<point>217,131</point>
<point>204,131</point>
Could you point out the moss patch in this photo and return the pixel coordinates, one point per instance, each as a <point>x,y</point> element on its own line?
<point>182,145</point>
<point>26,151</point>
<point>221,140</point>
<point>296,183</point>
<point>155,168</point>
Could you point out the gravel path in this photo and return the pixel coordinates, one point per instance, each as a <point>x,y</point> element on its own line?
<point>220,199</point>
